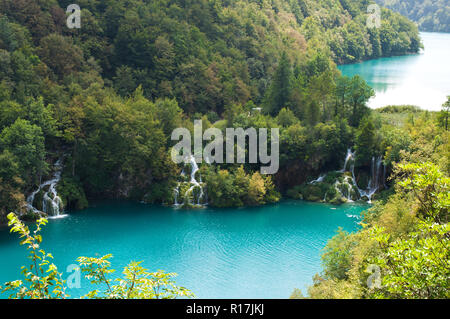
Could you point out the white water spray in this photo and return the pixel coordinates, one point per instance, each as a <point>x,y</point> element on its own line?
<point>51,203</point>
<point>348,157</point>
<point>374,182</point>
<point>201,198</point>
<point>318,179</point>
<point>375,175</point>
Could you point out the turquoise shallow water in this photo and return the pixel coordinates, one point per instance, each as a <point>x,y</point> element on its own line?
<point>419,79</point>
<point>262,252</point>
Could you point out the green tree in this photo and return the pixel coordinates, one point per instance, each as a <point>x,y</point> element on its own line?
<point>416,265</point>
<point>286,117</point>
<point>278,94</point>
<point>359,94</point>
<point>11,195</point>
<point>337,256</point>
<point>61,55</point>
<point>444,114</point>
<point>26,142</point>
<point>365,144</point>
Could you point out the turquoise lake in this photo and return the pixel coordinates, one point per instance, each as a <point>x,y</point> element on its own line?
<point>419,79</point>
<point>262,252</point>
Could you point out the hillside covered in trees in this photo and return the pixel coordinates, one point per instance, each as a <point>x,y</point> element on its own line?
<point>430,15</point>
<point>104,98</point>
<point>401,250</point>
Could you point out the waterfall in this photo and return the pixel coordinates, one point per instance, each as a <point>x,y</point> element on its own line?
<point>349,156</point>
<point>345,188</point>
<point>375,174</point>
<point>194,169</point>
<point>374,182</point>
<point>193,184</point>
<point>51,202</point>
<point>318,179</point>
<point>176,192</point>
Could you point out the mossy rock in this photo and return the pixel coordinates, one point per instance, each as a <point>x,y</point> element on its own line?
<point>337,200</point>
<point>71,193</point>
<point>32,216</point>
<point>295,192</point>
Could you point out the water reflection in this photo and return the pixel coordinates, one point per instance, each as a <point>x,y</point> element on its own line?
<point>419,79</point>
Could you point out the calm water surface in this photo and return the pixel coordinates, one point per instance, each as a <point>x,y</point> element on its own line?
<point>262,252</point>
<point>420,79</point>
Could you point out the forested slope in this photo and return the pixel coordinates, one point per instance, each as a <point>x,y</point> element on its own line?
<point>106,97</point>
<point>430,15</point>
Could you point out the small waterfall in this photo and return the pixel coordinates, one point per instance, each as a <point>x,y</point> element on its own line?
<point>176,192</point>
<point>318,179</point>
<point>375,175</point>
<point>200,199</point>
<point>345,188</point>
<point>374,182</point>
<point>348,157</point>
<point>51,203</point>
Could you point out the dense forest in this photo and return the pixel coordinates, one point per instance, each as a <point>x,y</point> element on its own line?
<point>104,98</point>
<point>430,15</point>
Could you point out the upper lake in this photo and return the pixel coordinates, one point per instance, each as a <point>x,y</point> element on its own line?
<point>420,79</point>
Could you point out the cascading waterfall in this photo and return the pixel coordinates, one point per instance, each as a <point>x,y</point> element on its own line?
<point>51,202</point>
<point>176,192</point>
<point>348,157</point>
<point>374,182</point>
<point>375,174</point>
<point>200,199</point>
<point>345,188</point>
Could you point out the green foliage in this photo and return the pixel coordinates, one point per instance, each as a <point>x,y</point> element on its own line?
<point>11,196</point>
<point>406,237</point>
<point>332,289</point>
<point>444,114</point>
<point>72,194</point>
<point>41,278</point>
<point>136,283</point>
<point>365,142</point>
<point>415,266</point>
<point>430,187</point>
<point>337,255</point>
<point>124,146</point>
<point>25,142</point>
<point>431,16</point>
<point>237,188</point>
<point>279,92</point>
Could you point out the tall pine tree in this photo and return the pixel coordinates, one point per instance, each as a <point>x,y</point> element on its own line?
<point>280,89</point>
